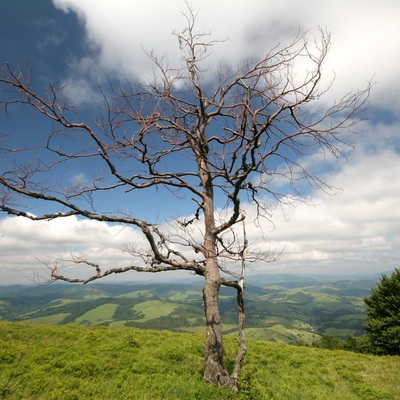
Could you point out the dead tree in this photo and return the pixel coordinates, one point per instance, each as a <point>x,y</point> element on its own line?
<point>217,141</point>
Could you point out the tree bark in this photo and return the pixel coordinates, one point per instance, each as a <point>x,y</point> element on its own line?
<point>214,370</point>
<point>242,350</point>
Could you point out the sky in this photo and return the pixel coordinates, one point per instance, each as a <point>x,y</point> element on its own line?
<point>356,231</point>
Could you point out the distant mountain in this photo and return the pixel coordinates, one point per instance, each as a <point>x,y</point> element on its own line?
<point>270,279</point>
<point>280,307</point>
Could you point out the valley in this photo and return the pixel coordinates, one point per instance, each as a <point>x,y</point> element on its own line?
<point>281,308</point>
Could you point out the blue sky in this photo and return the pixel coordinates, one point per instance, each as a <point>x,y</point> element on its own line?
<point>356,231</point>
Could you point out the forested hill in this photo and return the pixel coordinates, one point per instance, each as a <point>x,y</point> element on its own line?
<point>279,307</point>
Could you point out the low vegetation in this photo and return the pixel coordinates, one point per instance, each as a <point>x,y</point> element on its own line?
<point>81,362</point>
<point>383,314</point>
<point>286,309</point>
<point>357,344</point>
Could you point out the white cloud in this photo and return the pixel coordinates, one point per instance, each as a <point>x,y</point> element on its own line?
<point>23,242</point>
<point>79,178</point>
<point>365,35</point>
<point>358,229</point>
<point>354,231</point>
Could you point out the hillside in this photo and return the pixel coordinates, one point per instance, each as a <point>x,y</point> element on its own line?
<point>78,362</point>
<point>278,308</point>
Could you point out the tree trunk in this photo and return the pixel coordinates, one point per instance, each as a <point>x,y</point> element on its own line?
<point>214,370</point>
<point>242,350</point>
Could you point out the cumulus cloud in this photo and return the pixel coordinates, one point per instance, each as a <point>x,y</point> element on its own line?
<point>23,242</point>
<point>355,230</point>
<point>364,36</point>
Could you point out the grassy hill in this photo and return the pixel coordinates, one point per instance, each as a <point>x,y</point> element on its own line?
<point>278,308</point>
<point>80,362</point>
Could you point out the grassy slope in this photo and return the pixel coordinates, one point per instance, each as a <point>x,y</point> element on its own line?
<point>293,311</point>
<point>76,362</point>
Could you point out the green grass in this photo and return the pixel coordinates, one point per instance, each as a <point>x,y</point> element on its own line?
<point>183,296</point>
<point>98,315</point>
<point>155,308</point>
<point>78,362</point>
<point>49,319</point>
<point>138,293</point>
<point>297,312</point>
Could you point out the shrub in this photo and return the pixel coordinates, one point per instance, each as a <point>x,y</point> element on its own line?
<point>383,315</point>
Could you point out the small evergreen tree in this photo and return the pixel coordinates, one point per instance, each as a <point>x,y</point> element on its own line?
<point>383,315</point>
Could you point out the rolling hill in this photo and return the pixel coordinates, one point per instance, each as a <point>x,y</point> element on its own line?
<point>278,308</point>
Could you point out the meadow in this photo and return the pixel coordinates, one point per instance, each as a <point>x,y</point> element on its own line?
<point>283,309</point>
<point>71,362</point>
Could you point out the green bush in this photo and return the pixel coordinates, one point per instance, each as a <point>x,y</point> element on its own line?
<point>250,388</point>
<point>383,315</point>
<point>356,344</point>
<point>329,342</point>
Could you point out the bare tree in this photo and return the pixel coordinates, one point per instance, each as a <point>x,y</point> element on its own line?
<point>216,141</point>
